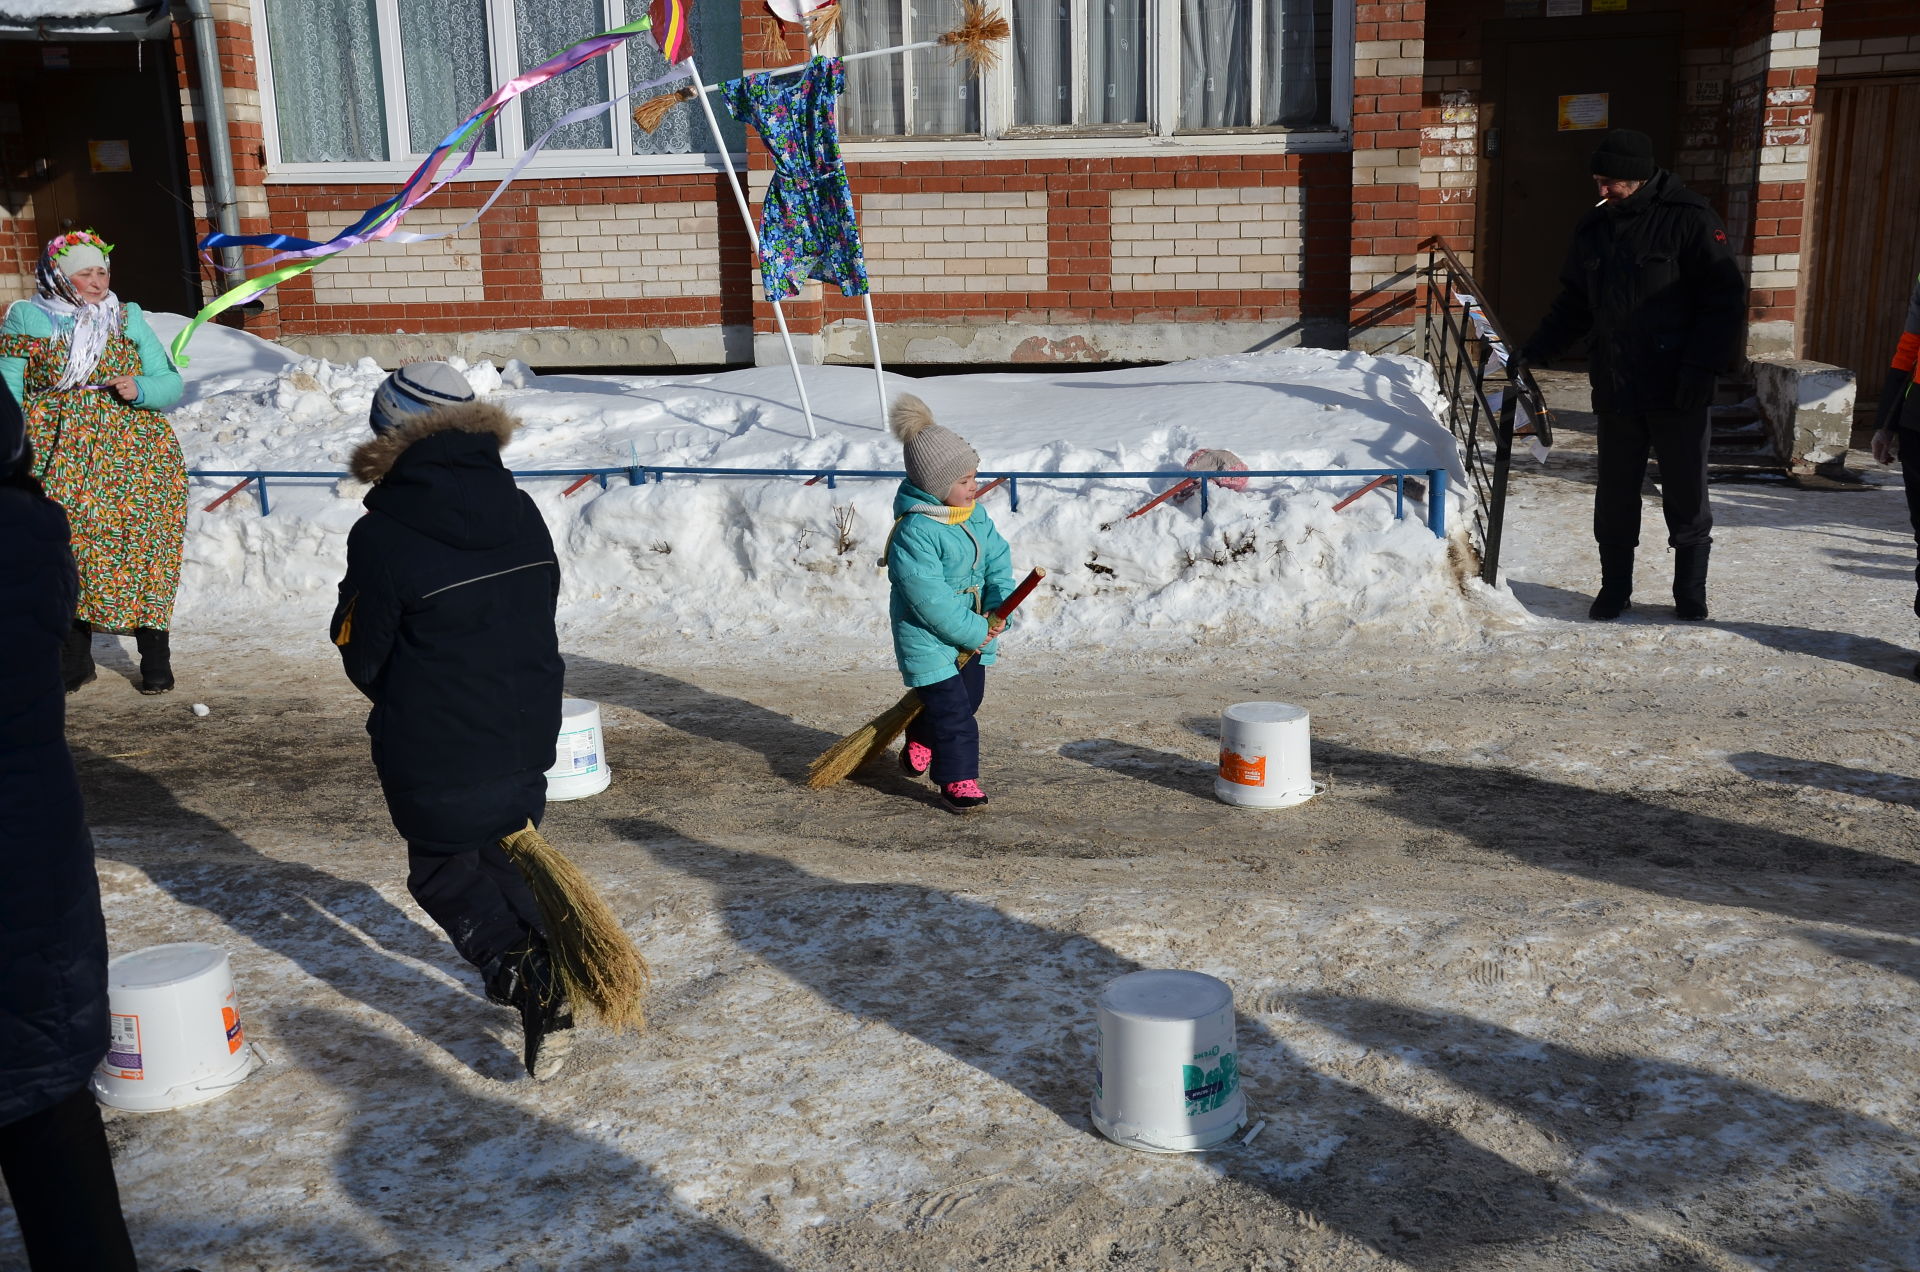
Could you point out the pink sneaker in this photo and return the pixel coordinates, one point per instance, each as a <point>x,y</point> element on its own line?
<point>915,759</point>
<point>962,797</point>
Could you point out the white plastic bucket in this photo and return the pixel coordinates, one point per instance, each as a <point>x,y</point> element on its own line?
<point>174,1029</point>
<point>1265,755</point>
<point>579,754</point>
<point>1169,1078</point>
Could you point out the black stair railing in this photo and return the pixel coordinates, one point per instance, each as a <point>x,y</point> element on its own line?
<point>1473,359</point>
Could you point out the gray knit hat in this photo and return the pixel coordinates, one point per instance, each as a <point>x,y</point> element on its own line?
<point>416,389</point>
<point>936,456</point>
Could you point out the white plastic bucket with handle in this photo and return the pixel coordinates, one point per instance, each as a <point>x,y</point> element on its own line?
<point>579,754</point>
<point>1265,755</point>
<point>174,1036</point>
<point>1169,1077</point>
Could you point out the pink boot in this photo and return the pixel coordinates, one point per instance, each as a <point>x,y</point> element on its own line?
<point>962,797</point>
<point>915,758</point>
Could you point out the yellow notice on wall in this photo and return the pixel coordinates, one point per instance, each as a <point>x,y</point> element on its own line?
<point>110,156</point>
<point>1581,111</point>
<point>1609,6</point>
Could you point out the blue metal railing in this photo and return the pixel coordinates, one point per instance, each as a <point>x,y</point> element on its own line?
<point>640,474</point>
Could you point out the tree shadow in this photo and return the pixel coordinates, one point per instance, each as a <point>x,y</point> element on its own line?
<point>788,746</point>
<point>1869,653</point>
<point>1654,1137</point>
<point>339,931</point>
<point>1356,1164</point>
<point>1762,767</point>
<point>458,1178</point>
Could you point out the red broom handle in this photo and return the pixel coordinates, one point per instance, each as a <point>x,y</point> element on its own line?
<point>1375,484</point>
<point>1006,607</point>
<point>1162,497</point>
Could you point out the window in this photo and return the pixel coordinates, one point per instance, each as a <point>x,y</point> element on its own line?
<point>367,83</point>
<point>1118,67</point>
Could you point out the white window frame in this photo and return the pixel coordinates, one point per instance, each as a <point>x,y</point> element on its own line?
<point>999,135</point>
<point>503,48</point>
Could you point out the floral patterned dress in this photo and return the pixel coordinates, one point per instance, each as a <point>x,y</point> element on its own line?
<point>118,471</point>
<point>807,225</point>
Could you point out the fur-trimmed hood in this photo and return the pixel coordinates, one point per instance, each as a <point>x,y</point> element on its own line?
<point>374,459</point>
<point>440,474</point>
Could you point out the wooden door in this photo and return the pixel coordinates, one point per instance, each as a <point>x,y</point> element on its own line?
<point>1546,77</point>
<point>105,137</point>
<point>1863,244</point>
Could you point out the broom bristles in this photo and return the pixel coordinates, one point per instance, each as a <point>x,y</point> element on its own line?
<point>979,30</point>
<point>822,23</point>
<point>649,113</point>
<point>597,962</point>
<point>876,735</point>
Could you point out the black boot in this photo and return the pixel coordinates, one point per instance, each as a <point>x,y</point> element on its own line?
<point>1690,581</point>
<point>1616,583</point>
<point>156,660</point>
<point>526,980</point>
<point>76,656</point>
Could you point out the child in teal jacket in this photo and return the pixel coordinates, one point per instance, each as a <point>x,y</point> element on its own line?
<point>949,567</point>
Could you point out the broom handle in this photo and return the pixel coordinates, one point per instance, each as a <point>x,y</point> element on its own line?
<point>1006,607</point>
<point>1162,497</point>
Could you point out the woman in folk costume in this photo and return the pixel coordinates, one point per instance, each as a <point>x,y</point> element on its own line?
<point>94,380</point>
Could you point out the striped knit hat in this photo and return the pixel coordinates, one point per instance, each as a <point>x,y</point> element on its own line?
<point>416,389</point>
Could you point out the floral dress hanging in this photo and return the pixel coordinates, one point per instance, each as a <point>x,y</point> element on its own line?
<point>807,225</point>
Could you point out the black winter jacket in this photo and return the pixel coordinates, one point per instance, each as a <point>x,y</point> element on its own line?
<point>446,622</point>
<point>1654,280</point>
<point>53,941</point>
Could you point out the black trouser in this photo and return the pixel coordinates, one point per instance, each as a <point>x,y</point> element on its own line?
<point>477,896</point>
<point>60,1173</point>
<point>948,726</point>
<point>1679,441</point>
<point>1909,441</point>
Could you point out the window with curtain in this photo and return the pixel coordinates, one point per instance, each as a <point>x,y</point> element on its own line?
<point>363,82</point>
<point>1091,65</point>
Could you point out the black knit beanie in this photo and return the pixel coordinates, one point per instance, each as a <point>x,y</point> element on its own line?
<point>1624,155</point>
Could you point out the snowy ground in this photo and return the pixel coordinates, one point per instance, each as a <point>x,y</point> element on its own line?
<point>1599,952</point>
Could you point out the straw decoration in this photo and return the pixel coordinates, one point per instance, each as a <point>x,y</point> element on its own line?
<point>979,30</point>
<point>649,113</point>
<point>596,960</point>
<point>822,23</point>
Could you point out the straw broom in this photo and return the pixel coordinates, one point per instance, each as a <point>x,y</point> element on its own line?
<point>876,735</point>
<point>598,964</point>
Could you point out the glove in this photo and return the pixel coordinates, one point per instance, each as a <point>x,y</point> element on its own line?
<point>1893,396</point>
<point>1886,446</point>
<point>1695,389</point>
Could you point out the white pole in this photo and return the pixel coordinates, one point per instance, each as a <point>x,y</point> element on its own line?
<point>753,237</point>
<point>879,376</point>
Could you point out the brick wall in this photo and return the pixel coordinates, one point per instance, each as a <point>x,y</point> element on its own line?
<point>1894,54</point>
<point>1388,74</point>
<point>1864,20</point>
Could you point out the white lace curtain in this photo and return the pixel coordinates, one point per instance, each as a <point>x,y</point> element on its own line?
<point>923,94</point>
<point>443,50</point>
<point>1216,80</point>
<point>1043,61</point>
<point>326,80</point>
<point>544,28</point>
<point>714,28</point>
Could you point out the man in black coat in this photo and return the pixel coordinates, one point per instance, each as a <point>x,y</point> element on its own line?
<point>446,623</point>
<point>53,940</point>
<point>1652,278</point>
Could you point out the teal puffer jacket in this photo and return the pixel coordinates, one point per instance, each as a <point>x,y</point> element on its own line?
<point>945,577</point>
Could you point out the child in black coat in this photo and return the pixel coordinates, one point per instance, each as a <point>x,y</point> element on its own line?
<point>446,623</point>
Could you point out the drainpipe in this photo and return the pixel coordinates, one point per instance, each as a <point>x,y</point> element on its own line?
<point>215,142</point>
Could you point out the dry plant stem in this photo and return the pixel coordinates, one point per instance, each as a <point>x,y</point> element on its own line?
<point>597,962</point>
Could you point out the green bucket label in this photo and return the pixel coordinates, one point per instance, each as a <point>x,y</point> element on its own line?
<point>1209,1088</point>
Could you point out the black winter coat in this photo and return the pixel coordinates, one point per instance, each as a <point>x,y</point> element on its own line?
<point>1654,281</point>
<point>53,941</point>
<point>446,622</point>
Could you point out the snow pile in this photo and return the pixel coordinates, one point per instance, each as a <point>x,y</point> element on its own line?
<point>730,558</point>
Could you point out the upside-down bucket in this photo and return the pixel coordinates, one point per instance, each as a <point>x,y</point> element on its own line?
<point>1265,755</point>
<point>579,753</point>
<point>174,1036</point>
<point>1169,1077</point>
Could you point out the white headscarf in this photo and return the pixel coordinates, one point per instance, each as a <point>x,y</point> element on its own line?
<point>56,297</point>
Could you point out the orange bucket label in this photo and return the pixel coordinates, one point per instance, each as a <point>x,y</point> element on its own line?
<point>1244,770</point>
<point>235,1038</point>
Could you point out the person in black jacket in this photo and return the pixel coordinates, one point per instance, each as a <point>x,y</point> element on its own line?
<point>53,940</point>
<point>446,623</point>
<point>1652,278</point>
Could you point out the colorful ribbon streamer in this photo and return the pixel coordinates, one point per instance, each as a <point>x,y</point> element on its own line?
<point>381,220</point>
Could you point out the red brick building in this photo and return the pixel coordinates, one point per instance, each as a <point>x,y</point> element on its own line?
<point>1140,180</point>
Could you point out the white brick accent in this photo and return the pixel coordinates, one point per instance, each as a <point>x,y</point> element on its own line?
<point>443,271</point>
<point>968,242</point>
<point>1215,239</point>
<point>628,250</point>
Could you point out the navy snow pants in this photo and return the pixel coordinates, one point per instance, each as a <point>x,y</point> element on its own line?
<point>948,728</point>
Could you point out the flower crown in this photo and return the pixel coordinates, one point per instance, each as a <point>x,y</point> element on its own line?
<point>58,247</point>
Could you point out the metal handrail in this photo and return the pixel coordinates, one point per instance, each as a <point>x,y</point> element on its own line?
<point>1462,356</point>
